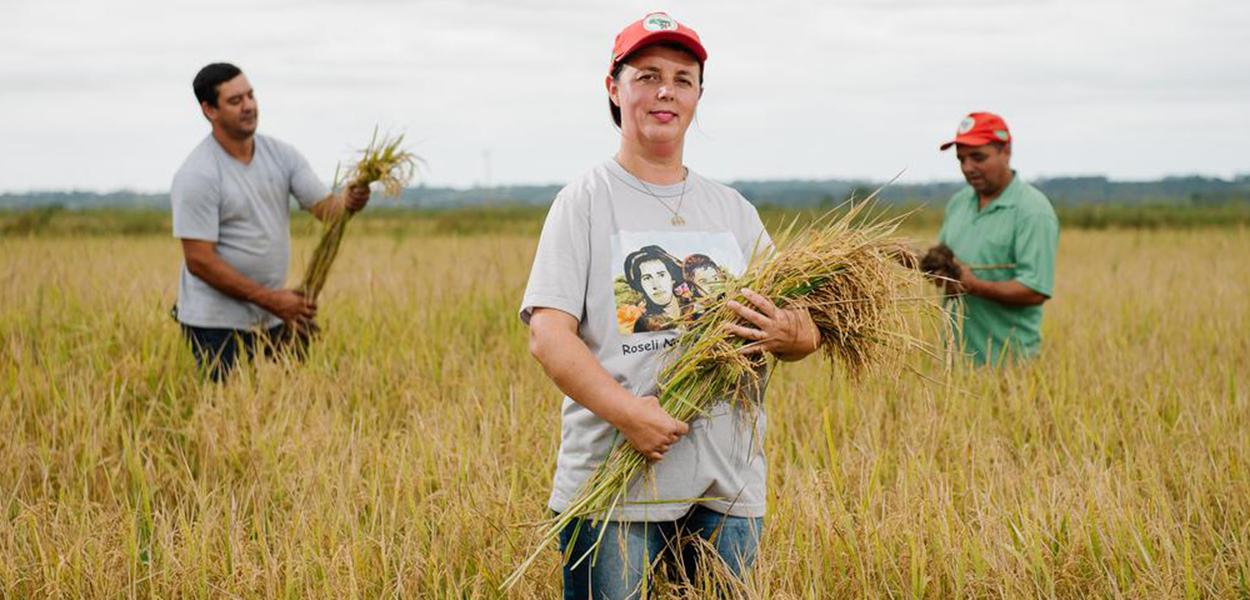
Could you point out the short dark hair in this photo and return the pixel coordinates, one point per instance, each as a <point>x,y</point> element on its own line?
<point>210,78</point>
<point>620,64</point>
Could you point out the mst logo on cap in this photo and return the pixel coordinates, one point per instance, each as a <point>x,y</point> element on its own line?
<point>966,125</point>
<point>659,21</point>
<point>654,28</point>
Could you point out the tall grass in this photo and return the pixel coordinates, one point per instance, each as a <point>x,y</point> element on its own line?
<point>392,462</point>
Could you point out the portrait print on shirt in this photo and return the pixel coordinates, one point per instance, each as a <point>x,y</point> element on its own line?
<point>663,278</point>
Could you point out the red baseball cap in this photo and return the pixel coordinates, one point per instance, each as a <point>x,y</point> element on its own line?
<point>653,28</point>
<point>979,129</point>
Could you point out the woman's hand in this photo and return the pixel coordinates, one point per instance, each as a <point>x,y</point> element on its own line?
<point>650,429</point>
<point>576,371</point>
<point>790,334</point>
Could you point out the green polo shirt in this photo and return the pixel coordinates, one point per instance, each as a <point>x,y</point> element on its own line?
<point>1019,227</point>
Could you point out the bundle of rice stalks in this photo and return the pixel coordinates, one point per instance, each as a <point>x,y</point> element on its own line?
<point>382,161</point>
<point>857,281</point>
<point>940,263</point>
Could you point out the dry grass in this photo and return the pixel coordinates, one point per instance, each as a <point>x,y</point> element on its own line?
<point>394,462</point>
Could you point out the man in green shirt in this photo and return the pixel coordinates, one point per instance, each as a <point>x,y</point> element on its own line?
<point>1004,235</point>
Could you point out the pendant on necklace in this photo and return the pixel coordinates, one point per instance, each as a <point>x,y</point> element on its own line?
<point>677,220</point>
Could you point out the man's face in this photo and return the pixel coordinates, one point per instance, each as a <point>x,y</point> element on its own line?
<point>986,168</point>
<point>657,282</point>
<point>709,280</point>
<point>657,91</point>
<point>236,113</point>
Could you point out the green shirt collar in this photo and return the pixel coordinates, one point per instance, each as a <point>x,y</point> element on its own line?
<point>1007,199</point>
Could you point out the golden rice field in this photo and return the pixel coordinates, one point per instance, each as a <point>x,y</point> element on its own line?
<point>401,459</point>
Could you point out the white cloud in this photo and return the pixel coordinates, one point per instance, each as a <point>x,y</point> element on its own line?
<point>97,95</point>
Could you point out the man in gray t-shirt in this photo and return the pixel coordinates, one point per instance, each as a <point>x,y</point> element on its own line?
<point>230,202</point>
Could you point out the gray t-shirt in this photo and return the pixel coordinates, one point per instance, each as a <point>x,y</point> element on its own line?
<point>610,257</point>
<point>245,209</point>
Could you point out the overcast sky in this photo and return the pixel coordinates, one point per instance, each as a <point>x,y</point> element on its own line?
<point>97,95</point>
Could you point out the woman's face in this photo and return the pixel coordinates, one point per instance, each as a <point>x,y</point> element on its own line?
<point>657,282</point>
<point>657,91</point>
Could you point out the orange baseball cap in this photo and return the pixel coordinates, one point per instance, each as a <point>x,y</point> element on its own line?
<point>979,129</point>
<point>653,28</point>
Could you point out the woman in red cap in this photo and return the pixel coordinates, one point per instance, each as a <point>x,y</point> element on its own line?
<point>706,478</point>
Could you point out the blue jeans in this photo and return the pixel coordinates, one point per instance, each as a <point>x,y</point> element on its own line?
<point>217,351</point>
<point>629,549</point>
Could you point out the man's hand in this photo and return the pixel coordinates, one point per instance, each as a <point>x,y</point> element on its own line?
<point>351,199</point>
<point>204,262</point>
<point>968,281</point>
<point>957,286</point>
<point>355,197</point>
<point>1007,293</point>
<point>288,305</point>
<point>649,429</point>
<point>788,334</point>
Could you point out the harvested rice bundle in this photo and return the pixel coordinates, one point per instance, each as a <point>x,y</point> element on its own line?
<point>940,263</point>
<point>856,280</point>
<point>382,161</point>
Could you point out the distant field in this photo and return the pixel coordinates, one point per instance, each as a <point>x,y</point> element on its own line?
<point>401,458</point>
<point>528,219</point>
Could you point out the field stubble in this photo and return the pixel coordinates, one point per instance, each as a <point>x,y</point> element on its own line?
<point>401,457</point>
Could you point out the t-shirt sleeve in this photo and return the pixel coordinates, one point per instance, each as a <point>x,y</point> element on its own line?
<point>561,268</point>
<point>195,204</point>
<point>1036,241</point>
<point>305,185</point>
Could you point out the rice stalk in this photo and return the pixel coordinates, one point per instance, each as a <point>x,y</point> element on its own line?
<point>383,161</point>
<point>847,270</point>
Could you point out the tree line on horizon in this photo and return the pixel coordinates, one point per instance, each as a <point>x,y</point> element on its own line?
<point>1063,191</point>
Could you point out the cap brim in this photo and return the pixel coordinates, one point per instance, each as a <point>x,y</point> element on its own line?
<point>968,140</point>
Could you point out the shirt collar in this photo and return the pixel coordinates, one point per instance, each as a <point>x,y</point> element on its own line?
<point>1007,199</point>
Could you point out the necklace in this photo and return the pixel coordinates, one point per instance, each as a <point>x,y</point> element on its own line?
<point>677,219</point>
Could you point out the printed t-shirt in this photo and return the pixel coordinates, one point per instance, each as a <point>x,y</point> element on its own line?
<point>610,256</point>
